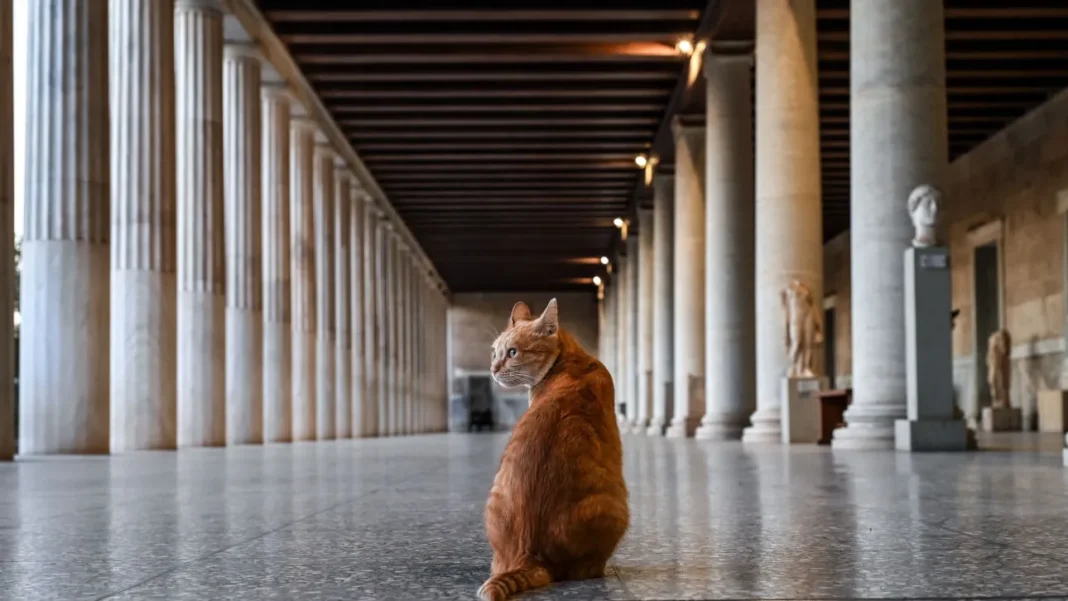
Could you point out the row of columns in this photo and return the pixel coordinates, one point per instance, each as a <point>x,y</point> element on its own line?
<point>734,225</point>
<point>200,267</point>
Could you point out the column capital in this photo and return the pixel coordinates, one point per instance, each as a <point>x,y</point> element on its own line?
<point>301,123</point>
<point>215,6</point>
<point>241,50</point>
<point>323,150</point>
<point>680,125</point>
<point>341,164</point>
<point>277,90</point>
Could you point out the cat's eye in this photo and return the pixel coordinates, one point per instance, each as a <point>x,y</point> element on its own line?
<point>512,352</point>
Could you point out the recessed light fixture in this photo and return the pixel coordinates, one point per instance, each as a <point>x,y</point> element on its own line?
<point>618,222</point>
<point>596,280</point>
<point>684,46</point>
<point>641,161</point>
<point>604,260</point>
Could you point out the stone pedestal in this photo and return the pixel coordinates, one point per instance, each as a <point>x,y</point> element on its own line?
<point>931,424</point>
<point>1065,451</point>
<point>1053,411</point>
<point>800,413</point>
<point>1001,419</point>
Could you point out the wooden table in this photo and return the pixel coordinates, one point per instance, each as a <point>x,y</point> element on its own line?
<point>833,404</point>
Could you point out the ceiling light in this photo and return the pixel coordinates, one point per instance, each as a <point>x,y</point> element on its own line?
<point>596,280</point>
<point>604,260</point>
<point>684,46</point>
<point>641,161</point>
<point>618,222</point>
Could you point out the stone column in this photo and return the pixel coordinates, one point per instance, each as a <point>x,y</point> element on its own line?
<point>325,325</point>
<point>898,140</point>
<point>609,347</point>
<point>243,148</point>
<point>633,368</point>
<point>342,308</point>
<point>371,311</point>
<point>65,263</point>
<point>646,265</point>
<point>356,310</point>
<point>382,321</point>
<point>622,335</point>
<point>144,297</point>
<point>789,226</point>
<point>663,304</point>
<point>393,337</point>
<point>689,280</point>
<point>201,332</point>
<point>7,229</point>
<point>730,357</point>
<point>302,255</point>
<point>404,387</point>
<point>277,288</point>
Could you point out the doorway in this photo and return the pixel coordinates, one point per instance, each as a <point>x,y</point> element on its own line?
<point>987,278</point>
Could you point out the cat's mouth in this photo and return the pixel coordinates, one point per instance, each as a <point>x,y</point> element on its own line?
<point>509,379</point>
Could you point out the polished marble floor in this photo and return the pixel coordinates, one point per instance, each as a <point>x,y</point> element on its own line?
<point>401,518</point>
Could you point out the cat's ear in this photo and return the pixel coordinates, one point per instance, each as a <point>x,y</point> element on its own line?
<point>520,312</point>
<point>549,322</point>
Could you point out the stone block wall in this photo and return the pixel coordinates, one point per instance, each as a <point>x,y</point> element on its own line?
<point>1010,183</point>
<point>836,283</point>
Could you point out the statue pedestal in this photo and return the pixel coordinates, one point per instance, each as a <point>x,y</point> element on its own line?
<point>1064,453</point>
<point>1053,411</point>
<point>800,409</point>
<point>930,424</point>
<point>1002,419</point>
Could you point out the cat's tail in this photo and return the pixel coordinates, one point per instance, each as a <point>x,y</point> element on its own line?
<point>504,585</point>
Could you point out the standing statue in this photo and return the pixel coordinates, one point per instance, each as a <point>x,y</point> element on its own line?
<point>804,330</point>
<point>999,368</point>
<point>923,209</point>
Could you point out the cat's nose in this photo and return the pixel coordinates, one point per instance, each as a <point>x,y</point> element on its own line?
<point>495,367</point>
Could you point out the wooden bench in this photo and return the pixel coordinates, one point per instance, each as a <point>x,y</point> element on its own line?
<point>833,404</point>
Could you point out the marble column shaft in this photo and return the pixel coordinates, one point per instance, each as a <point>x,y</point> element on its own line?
<point>622,340</point>
<point>7,229</point>
<point>302,261</point>
<point>382,322</point>
<point>243,152</point>
<point>371,312</point>
<point>730,358</point>
<point>65,263</point>
<point>342,308</point>
<point>663,235</point>
<point>898,140</point>
<point>201,329</point>
<point>789,224</point>
<point>143,262</point>
<point>646,265</point>
<point>326,323</point>
<point>277,266</point>
<point>689,281</point>
<point>403,346</point>
<point>609,348</point>
<point>393,337</point>
<point>633,368</point>
<point>356,309</point>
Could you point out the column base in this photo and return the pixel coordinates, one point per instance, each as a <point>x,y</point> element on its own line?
<point>868,427</point>
<point>682,428</point>
<point>719,431</point>
<point>1001,419</point>
<point>766,428</point>
<point>656,428</point>
<point>639,427</point>
<point>931,435</point>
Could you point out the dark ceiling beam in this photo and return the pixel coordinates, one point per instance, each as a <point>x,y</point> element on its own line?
<point>971,35</point>
<point>669,37</point>
<point>561,166</point>
<point>522,178</point>
<point>512,106</point>
<point>976,54</point>
<point>497,14</point>
<point>466,74</point>
<point>527,92</point>
<point>503,53</point>
<point>986,12</point>
<point>383,148</point>
<point>480,186</point>
<point>497,122</point>
<point>363,136</point>
<point>459,157</point>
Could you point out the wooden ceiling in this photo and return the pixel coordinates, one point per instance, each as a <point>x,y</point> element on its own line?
<point>506,137</point>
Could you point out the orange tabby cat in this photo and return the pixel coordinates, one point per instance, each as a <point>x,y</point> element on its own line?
<point>558,506</point>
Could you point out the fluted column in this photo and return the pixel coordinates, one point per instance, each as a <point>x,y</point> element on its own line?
<point>371,312</point>
<point>392,330</point>
<point>401,271</point>
<point>243,148</point>
<point>663,303</point>
<point>406,343</point>
<point>382,320</point>
<point>789,224</point>
<point>198,30</point>
<point>277,288</point>
<point>646,266</point>
<point>898,141</point>
<point>143,263</point>
<point>65,263</point>
<point>730,359</point>
<point>622,336</point>
<point>633,373</point>
<point>7,230</point>
<point>302,261</point>
<point>326,322</point>
<point>689,280</point>
<point>356,309</point>
<point>342,309</point>
<point>608,352</point>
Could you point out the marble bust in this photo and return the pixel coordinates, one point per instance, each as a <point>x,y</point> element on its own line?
<point>804,330</point>
<point>923,209</point>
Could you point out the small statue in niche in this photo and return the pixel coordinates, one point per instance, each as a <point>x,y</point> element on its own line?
<point>999,368</point>
<point>804,330</point>
<point>923,209</point>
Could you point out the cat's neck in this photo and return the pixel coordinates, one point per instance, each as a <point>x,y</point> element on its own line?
<point>570,356</point>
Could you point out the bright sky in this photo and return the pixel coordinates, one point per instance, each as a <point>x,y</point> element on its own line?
<point>19,62</point>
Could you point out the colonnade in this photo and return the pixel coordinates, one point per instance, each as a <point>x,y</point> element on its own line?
<point>735,224</point>
<point>200,264</point>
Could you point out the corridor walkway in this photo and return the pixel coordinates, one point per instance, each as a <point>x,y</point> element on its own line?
<point>402,519</point>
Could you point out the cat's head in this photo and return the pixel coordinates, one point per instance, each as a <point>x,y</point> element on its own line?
<point>525,352</point>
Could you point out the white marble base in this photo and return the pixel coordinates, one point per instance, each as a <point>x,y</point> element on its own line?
<point>1003,419</point>
<point>201,369</point>
<point>766,428</point>
<point>800,410</point>
<point>683,427</point>
<point>277,382</point>
<point>656,428</point>
<point>325,411</point>
<point>931,435</point>
<point>244,376</point>
<point>1053,411</point>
